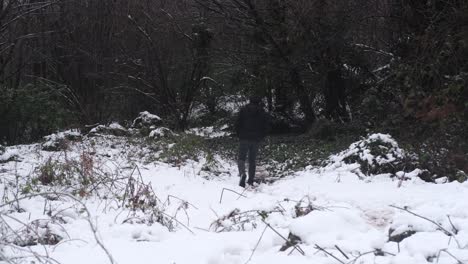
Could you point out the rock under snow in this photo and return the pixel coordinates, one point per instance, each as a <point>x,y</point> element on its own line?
<point>8,155</point>
<point>146,119</point>
<point>114,129</point>
<point>60,140</point>
<point>161,132</point>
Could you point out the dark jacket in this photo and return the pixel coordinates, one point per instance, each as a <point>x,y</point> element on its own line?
<point>252,122</point>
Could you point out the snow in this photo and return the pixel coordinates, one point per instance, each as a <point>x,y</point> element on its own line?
<point>8,154</point>
<point>371,153</point>
<point>348,213</point>
<point>146,118</point>
<point>97,129</point>
<point>116,125</point>
<point>54,139</point>
<point>160,132</point>
<point>148,115</point>
<point>340,226</point>
<point>362,149</point>
<point>232,103</point>
<point>101,128</point>
<point>63,134</point>
<point>210,132</point>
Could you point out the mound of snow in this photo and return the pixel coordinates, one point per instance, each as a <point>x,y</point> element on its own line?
<point>161,132</point>
<point>116,125</point>
<point>376,154</point>
<point>343,226</point>
<point>8,155</point>
<point>113,129</point>
<point>146,119</point>
<point>58,141</point>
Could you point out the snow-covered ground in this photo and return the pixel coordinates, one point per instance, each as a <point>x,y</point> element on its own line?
<point>339,217</point>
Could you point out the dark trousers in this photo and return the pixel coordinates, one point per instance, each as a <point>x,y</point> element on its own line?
<point>249,147</point>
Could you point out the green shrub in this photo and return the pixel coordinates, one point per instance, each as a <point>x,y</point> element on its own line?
<point>461,176</point>
<point>32,111</point>
<point>179,148</point>
<point>48,173</point>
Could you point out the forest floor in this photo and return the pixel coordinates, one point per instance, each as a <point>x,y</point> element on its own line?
<point>109,199</point>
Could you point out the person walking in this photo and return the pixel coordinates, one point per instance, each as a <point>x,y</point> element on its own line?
<point>251,128</point>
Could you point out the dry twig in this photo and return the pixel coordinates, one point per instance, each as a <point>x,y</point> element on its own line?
<point>222,193</point>
<point>328,253</point>
<point>256,246</point>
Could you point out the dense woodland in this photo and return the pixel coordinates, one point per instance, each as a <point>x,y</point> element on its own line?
<point>332,66</point>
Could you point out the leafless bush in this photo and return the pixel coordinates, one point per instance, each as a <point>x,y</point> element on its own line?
<point>144,205</point>
<point>39,232</point>
<point>77,173</point>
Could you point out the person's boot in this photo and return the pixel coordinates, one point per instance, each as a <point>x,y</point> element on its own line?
<point>242,181</point>
<point>250,182</point>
